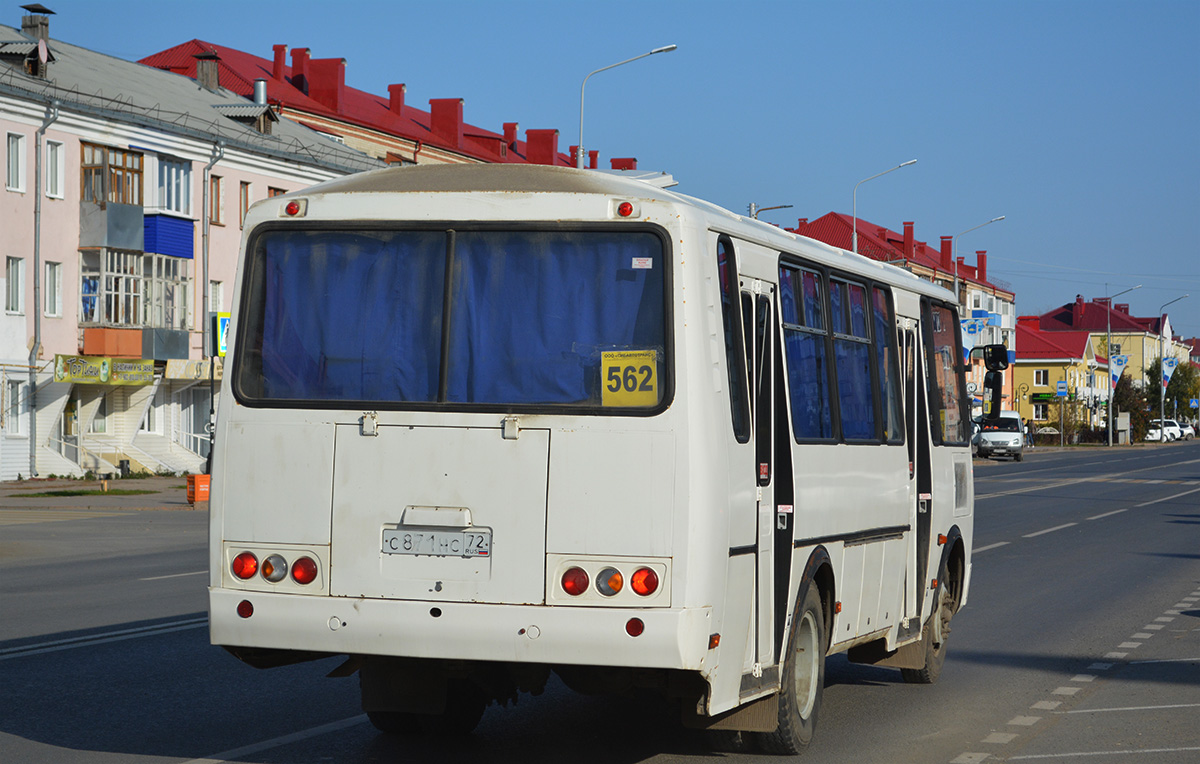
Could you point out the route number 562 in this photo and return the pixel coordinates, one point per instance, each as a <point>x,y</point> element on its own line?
<point>630,378</point>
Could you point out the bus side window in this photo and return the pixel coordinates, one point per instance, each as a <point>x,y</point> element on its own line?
<point>852,350</point>
<point>944,361</point>
<point>802,302</point>
<point>735,357</point>
<point>889,374</point>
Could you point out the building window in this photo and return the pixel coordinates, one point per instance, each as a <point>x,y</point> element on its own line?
<point>15,408</point>
<point>1041,377</point>
<point>216,204</point>
<point>99,423</point>
<point>111,175</point>
<point>216,296</point>
<point>175,185</point>
<point>15,179</point>
<point>1039,411</point>
<point>164,292</point>
<point>243,202</point>
<point>272,191</point>
<point>52,290</point>
<point>14,285</point>
<point>55,175</point>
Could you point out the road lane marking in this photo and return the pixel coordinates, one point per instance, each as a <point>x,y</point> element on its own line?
<point>1124,752</point>
<point>1108,514</point>
<point>1166,498</point>
<point>276,742</point>
<point>1132,708</point>
<point>174,575</point>
<point>102,638</point>
<point>998,544</point>
<point>1166,660</point>
<point>1049,530</point>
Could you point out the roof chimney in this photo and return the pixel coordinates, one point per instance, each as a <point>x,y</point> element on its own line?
<point>510,134</point>
<point>947,253</point>
<point>280,60</point>
<point>300,69</point>
<point>446,120</point>
<point>327,82</point>
<point>37,23</point>
<point>1077,312</point>
<point>541,146</point>
<point>396,98</point>
<point>207,71</point>
<point>260,91</point>
<point>1122,307</point>
<point>981,265</point>
<point>628,163</point>
<point>908,241</point>
<point>594,160</point>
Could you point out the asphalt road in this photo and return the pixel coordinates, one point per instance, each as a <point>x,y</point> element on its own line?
<point>1080,642</point>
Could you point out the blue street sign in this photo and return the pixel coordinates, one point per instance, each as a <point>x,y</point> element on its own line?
<point>1061,390</point>
<point>1196,403</point>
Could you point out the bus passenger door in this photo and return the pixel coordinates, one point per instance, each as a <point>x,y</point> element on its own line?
<point>758,322</point>
<point>916,417</point>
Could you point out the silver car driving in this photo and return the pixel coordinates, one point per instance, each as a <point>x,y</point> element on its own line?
<point>1002,437</point>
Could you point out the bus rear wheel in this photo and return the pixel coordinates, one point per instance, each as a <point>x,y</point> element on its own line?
<point>937,630</point>
<point>803,680</point>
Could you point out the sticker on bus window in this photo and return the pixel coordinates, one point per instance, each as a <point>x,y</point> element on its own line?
<point>629,378</point>
<point>643,263</point>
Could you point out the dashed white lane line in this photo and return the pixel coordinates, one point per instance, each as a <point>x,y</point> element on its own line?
<point>989,546</point>
<point>1049,530</point>
<point>312,732</point>
<point>1030,757</point>
<point>1024,721</point>
<point>1065,691</point>
<point>1108,514</point>
<point>1133,708</point>
<point>1000,738</point>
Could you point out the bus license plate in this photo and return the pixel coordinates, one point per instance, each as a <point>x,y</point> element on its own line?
<point>469,543</point>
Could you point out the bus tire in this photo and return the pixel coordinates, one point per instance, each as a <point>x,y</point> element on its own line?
<point>803,679</point>
<point>937,631</point>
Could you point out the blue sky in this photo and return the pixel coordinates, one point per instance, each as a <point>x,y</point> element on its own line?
<point>1079,120</point>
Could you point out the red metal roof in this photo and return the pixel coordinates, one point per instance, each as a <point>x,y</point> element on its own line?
<point>883,244</point>
<point>1034,343</point>
<point>238,70</point>
<point>1094,315</point>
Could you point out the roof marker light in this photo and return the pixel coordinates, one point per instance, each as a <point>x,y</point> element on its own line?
<point>624,209</point>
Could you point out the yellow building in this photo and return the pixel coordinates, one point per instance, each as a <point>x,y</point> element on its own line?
<point>1059,378</point>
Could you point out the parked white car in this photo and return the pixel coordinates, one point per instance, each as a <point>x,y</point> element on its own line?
<point>1170,429</point>
<point>1188,430</point>
<point>1153,433</point>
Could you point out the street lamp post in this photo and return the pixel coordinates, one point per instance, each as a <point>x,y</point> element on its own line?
<point>854,202</point>
<point>580,152</point>
<point>1162,395</point>
<point>954,252</point>
<point>1112,387</point>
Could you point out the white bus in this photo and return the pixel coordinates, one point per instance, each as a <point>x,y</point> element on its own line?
<point>485,423</point>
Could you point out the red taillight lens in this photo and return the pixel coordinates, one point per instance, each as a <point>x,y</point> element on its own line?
<point>624,209</point>
<point>575,581</point>
<point>245,565</point>
<point>245,609</point>
<point>292,208</point>
<point>304,571</point>
<point>634,627</point>
<point>644,581</point>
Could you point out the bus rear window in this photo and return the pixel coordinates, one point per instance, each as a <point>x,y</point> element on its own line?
<point>479,318</point>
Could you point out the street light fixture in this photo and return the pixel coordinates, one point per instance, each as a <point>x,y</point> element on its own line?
<point>854,201</point>
<point>1112,388</point>
<point>1162,396</point>
<point>580,152</point>
<point>954,252</point>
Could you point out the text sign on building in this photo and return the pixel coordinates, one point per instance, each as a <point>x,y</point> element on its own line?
<point>102,370</point>
<point>194,370</point>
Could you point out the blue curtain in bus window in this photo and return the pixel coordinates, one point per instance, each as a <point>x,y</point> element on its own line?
<point>808,383</point>
<point>350,316</point>
<point>533,311</point>
<point>885,355</point>
<point>848,306</point>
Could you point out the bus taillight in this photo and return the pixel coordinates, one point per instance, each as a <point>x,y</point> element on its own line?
<point>610,582</point>
<point>575,581</point>
<point>304,571</point>
<point>245,565</point>
<point>644,581</point>
<point>274,568</point>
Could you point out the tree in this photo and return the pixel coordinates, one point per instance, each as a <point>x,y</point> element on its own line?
<point>1130,399</point>
<point>1183,387</point>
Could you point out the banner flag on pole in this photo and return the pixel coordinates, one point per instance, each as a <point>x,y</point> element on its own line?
<point>1168,368</point>
<point>1117,365</point>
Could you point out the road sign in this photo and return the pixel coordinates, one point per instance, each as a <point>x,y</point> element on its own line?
<point>1061,390</point>
<point>1196,403</point>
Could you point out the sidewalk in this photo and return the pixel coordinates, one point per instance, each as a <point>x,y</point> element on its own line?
<point>165,493</point>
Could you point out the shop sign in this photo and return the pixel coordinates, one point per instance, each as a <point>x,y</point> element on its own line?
<point>192,370</point>
<point>102,370</point>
